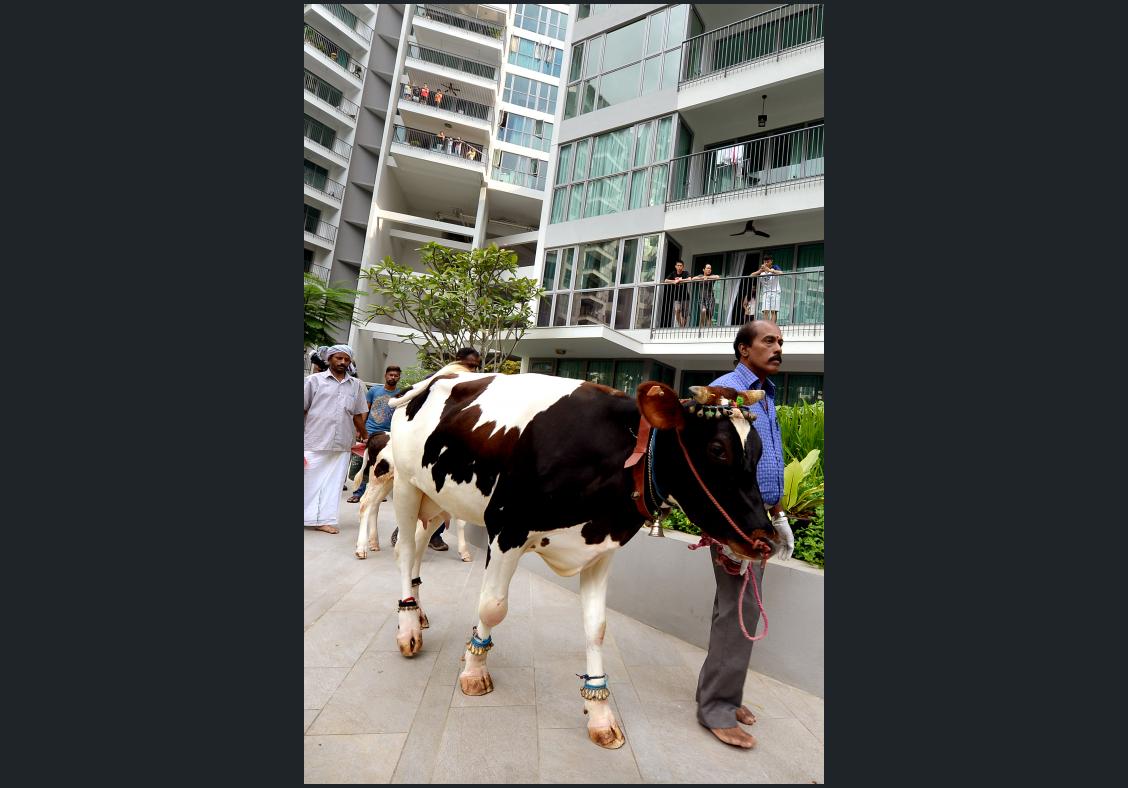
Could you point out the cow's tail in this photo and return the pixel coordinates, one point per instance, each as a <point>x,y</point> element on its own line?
<point>363,467</point>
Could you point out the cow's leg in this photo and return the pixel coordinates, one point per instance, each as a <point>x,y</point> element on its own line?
<point>374,494</point>
<point>602,728</point>
<point>407,502</point>
<point>422,536</point>
<point>493,604</point>
<point>463,551</point>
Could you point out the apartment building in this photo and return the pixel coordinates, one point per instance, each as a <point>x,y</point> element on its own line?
<point>471,119</point>
<point>691,132</point>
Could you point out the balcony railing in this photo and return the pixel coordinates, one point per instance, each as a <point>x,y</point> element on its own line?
<point>716,307</point>
<point>447,17</point>
<point>459,106</point>
<point>330,95</point>
<point>448,146</point>
<point>350,19</point>
<point>528,180</point>
<point>760,163</point>
<point>465,65</point>
<point>322,273</point>
<point>759,36</point>
<point>339,146</point>
<point>328,186</point>
<point>321,229</point>
<point>335,52</point>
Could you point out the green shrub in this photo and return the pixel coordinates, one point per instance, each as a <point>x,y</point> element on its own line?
<point>809,541</point>
<point>801,427</point>
<point>677,521</point>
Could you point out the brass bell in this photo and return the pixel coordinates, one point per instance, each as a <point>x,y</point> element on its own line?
<point>656,528</point>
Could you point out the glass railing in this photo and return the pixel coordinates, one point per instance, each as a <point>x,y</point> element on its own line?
<point>758,163</point>
<point>526,179</point>
<point>715,307</point>
<point>759,36</point>
<point>447,17</point>
<point>328,186</point>
<point>330,95</point>
<point>459,106</point>
<point>465,65</point>
<point>350,19</point>
<point>449,146</point>
<point>335,52</point>
<point>321,229</point>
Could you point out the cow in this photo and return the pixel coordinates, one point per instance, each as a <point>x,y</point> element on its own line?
<point>379,467</point>
<point>570,470</point>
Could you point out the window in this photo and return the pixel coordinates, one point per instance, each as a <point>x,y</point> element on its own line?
<point>559,197</point>
<point>520,130</point>
<point>530,93</point>
<point>319,132</point>
<point>624,45</point>
<point>549,279</point>
<point>591,9</point>
<point>519,170</point>
<point>539,19</point>
<point>610,153</point>
<point>598,265</point>
<point>563,167</point>
<point>576,205</point>
<point>312,217</point>
<point>534,56</point>
<point>315,176</point>
<point>606,195</point>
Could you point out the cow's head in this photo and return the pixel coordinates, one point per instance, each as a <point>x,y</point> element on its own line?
<point>719,475</point>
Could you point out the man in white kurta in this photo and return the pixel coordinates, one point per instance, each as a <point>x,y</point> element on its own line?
<point>335,409</point>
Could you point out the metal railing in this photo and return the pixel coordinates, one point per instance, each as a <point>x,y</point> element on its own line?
<point>330,95</point>
<point>759,36</point>
<point>339,146</point>
<point>322,273</point>
<point>716,307</point>
<point>335,52</point>
<point>517,178</point>
<point>321,229</point>
<point>447,17</point>
<point>463,64</point>
<point>448,146</point>
<point>333,188</point>
<point>758,163</point>
<point>342,13</point>
<point>459,106</point>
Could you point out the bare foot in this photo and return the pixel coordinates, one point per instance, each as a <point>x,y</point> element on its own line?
<point>735,736</point>
<point>743,715</point>
<point>329,529</point>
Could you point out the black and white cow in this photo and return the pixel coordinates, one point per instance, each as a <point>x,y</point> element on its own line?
<point>568,470</point>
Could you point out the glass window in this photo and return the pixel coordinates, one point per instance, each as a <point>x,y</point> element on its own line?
<point>644,150</point>
<point>611,153</point>
<point>678,17</point>
<point>624,45</point>
<point>658,184</point>
<point>598,265</point>
<point>591,87</point>
<point>592,308</point>
<point>544,367</point>
<point>564,165</point>
<point>591,58</point>
<point>606,195</point>
<point>559,203</point>
<point>544,312</point>
<point>576,65</point>
<point>657,34</point>
<point>618,86</point>
<point>570,97</point>
<point>560,315</point>
<point>670,65</point>
<point>651,75</point>
<point>549,279</point>
<point>628,374</point>
<point>665,139</point>
<point>627,269</point>
<point>623,309</point>
<point>649,258</point>
<point>639,186</point>
<point>599,371</point>
<point>577,202</point>
<point>567,256</point>
<point>644,306</point>
<point>582,148</point>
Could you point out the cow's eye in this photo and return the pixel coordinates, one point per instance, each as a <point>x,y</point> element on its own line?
<point>718,452</point>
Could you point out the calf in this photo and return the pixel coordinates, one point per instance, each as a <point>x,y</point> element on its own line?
<point>569,470</point>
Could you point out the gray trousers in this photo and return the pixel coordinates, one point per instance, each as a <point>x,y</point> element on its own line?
<point>720,688</point>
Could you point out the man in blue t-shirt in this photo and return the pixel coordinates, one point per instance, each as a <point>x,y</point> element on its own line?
<point>379,414</point>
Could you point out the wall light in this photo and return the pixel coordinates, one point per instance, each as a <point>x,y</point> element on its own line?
<point>762,120</point>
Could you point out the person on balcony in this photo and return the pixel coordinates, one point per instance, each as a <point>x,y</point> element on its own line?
<point>769,288</point>
<point>425,94</point>
<point>679,292</point>
<point>708,295</point>
<point>438,98</point>
<point>442,142</point>
<point>415,93</point>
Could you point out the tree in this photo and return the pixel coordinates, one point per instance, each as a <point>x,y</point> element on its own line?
<point>328,310</point>
<point>462,299</point>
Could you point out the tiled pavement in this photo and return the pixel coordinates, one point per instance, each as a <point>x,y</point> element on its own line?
<point>372,716</point>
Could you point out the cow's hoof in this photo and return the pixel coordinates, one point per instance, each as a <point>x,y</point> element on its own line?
<point>465,556</point>
<point>476,685</point>
<point>409,648</point>
<point>374,546</point>
<point>610,738</point>
<point>361,554</point>
<point>423,622</point>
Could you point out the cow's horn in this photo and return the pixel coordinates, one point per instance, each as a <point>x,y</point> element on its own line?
<point>655,391</point>
<point>701,394</point>
<point>752,396</point>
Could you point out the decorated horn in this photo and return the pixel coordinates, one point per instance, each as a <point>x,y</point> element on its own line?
<point>752,396</point>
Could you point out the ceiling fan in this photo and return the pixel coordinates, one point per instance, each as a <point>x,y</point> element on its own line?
<point>750,228</point>
<point>449,88</point>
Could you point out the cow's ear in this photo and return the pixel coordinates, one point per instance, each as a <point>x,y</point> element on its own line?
<point>660,406</point>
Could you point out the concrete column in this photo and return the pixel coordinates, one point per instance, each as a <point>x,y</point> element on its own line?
<point>480,221</point>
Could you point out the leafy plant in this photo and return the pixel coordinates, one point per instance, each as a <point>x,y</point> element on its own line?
<point>800,500</point>
<point>801,427</point>
<point>412,375</point>
<point>328,310</point>
<point>809,540</point>
<point>677,521</point>
<point>462,299</point>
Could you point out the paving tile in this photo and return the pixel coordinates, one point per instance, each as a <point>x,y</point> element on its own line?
<point>362,758</point>
<point>640,644</point>
<point>336,640</point>
<point>567,755</point>
<point>558,632</point>
<point>320,684</point>
<point>489,745</point>
<point>693,755</point>
<point>310,716</point>
<point>548,594</point>
<point>380,695</point>
<point>647,740</point>
<point>512,687</point>
<point>804,706</point>
<point>559,704</point>
<point>663,682</point>
<point>419,753</point>
<point>377,592</point>
<point>787,751</point>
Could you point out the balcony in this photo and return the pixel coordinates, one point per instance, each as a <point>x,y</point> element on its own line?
<point>341,107</point>
<point>322,230</point>
<point>433,143</point>
<point>335,54</point>
<point>758,37</point>
<point>452,104</point>
<point>337,146</point>
<point>319,271</point>
<point>349,19</point>
<point>465,65</point>
<point>325,190</point>
<point>715,308</point>
<point>461,21</point>
<point>759,164</point>
<point>517,178</point>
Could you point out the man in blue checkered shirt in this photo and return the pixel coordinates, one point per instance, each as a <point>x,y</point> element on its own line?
<point>720,688</point>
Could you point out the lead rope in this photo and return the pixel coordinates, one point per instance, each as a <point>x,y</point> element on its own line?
<point>748,572</point>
